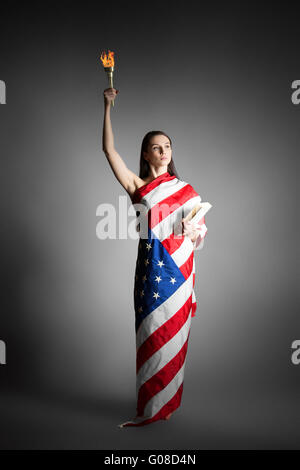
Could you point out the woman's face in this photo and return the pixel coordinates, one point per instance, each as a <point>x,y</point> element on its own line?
<point>159,151</point>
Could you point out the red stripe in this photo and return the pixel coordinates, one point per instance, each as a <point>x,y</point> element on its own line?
<point>161,379</point>
<point>187,267</point>
<point>170,204</point>
<point>146,188</point>
<point>172,243</point>
<point>163,334</point>
<point>194,308</point>
<point>168,408</point>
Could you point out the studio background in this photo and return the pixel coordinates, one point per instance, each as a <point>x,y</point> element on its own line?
<point>218,82</point>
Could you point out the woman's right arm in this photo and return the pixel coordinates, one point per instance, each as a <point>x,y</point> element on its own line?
<point>126,177</point>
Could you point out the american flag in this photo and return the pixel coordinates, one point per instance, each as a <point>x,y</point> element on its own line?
<point>164,297</point>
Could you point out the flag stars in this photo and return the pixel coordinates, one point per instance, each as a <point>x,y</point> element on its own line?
<point>157,278</point>
<point>173,280</point>
<point>146,262</point>
<point>156,294</point>
<point>160,264</point>
<point>144,278</point>
<point>140,309</point>
<point>142,293</point>
<point>148,246</point>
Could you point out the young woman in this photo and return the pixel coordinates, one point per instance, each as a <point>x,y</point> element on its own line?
<point>164,297</point>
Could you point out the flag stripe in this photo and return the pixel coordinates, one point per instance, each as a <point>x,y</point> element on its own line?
<point>166,401</point>
<point>163,355</point>
<point>170,406</point>
<point>163,334</point>
<point>164,395</point>
<point>170,204</point>
<point>150,388</point>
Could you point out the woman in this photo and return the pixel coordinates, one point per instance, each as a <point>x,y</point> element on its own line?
<point>164,297</point>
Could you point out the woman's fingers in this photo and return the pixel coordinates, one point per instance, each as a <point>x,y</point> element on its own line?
<point>110,94</point>
<point>111,91</point>
<point>191,230</point>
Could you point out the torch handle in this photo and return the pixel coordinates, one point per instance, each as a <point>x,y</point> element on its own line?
<point>111,86</point>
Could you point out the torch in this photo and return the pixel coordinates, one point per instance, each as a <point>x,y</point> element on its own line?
<point>108,64</point>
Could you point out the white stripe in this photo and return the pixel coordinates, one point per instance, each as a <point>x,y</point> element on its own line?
<point>164,355</point>
<point>161,398</point>
<point>156,403</point>
<point>167,226</point>
<point>183,252</point>
<point>164,311</point>
<point>163,191</point>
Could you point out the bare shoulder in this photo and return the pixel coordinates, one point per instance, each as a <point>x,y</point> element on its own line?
<point>136,182</point>
<point>127,178</point>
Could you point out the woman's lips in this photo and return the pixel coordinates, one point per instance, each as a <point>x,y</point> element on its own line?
<point>164,158</point>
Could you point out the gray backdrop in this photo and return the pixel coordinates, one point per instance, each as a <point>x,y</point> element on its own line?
<point>218,81</point>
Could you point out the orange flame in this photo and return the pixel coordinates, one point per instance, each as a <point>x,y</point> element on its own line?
<point>108,60</point>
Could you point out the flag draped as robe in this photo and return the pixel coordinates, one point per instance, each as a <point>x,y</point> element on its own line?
<point>164,297</point>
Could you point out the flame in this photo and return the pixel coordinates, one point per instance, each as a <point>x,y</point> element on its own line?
<point>108,60</point>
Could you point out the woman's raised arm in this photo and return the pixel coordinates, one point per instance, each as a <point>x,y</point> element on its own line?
<point>126,177</point>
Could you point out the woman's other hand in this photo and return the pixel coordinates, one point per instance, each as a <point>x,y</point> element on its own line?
<point>191,229</point>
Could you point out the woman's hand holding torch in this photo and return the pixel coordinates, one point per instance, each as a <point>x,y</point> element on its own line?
<point>109,95</point>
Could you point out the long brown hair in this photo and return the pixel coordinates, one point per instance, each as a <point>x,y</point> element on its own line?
<point>144,165</point>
